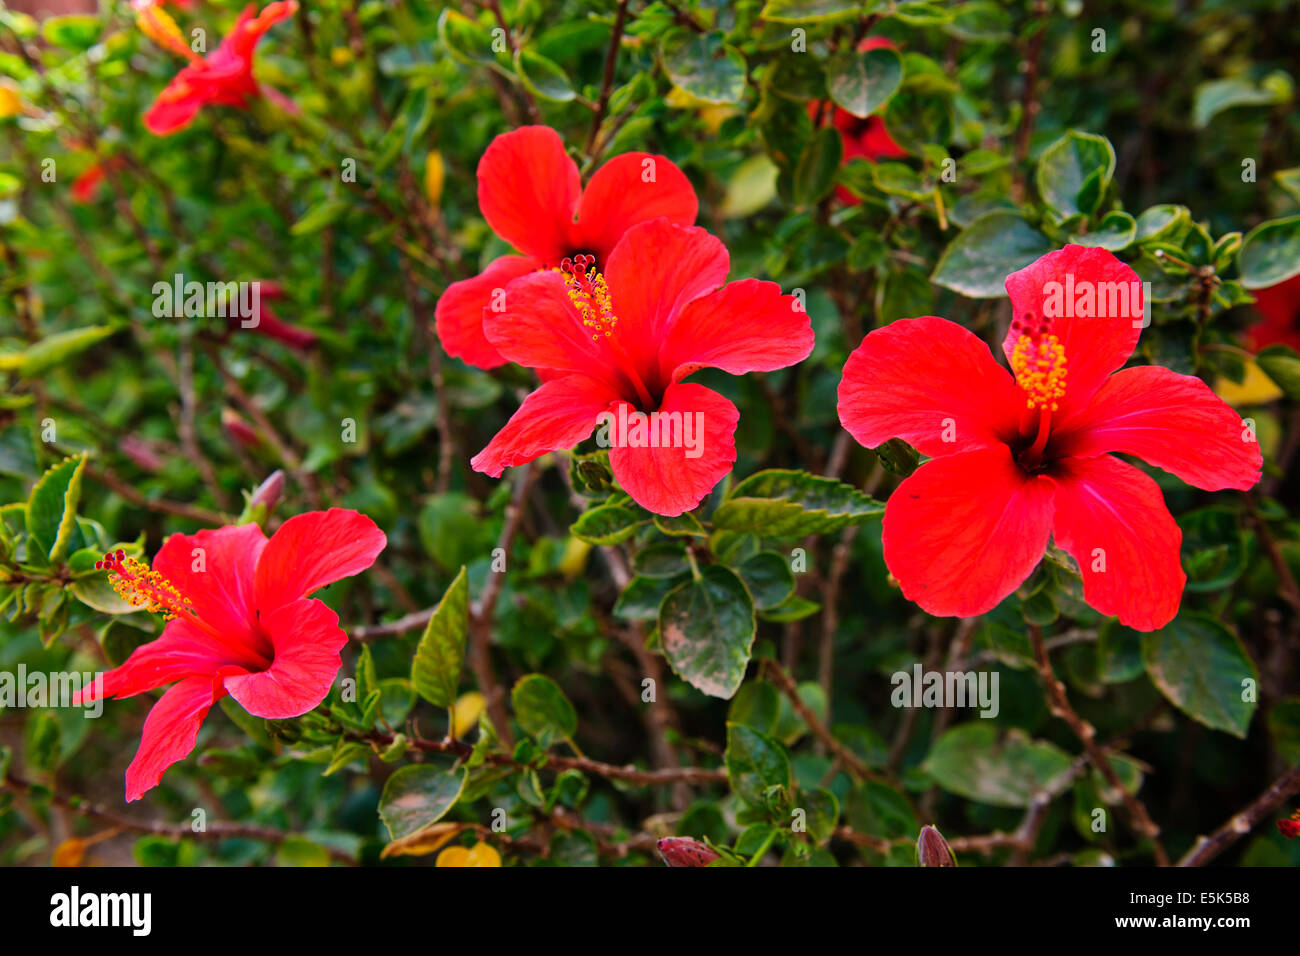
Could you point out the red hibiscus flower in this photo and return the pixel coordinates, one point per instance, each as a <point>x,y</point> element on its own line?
<point>621,341</point>
<point>863,138</point>
<point>1290,828</point>
<point>270,324</point>
<point>86,186</point>
<point>1280,307</point>
<point>530,194</point>
<point>1016,459</point>
<point>240,623</point>
<point>222,78</point>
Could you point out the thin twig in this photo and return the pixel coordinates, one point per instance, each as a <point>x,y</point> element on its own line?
<point>1087,734</point>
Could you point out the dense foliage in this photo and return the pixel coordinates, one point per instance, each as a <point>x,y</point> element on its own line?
<point>570,662</point>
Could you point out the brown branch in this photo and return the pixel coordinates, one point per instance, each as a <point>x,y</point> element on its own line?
<point>1242,822</point>
<point>607,83</point>
<point>851,761</point>
<point>217,830</point>
<point>1087,734</point>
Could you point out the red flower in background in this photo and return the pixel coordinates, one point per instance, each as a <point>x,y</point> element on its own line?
<point>621,342</point>
<point>683,851</point>
<point>222,78</point>
<point>863,138</point>
<point>270,324</point>
<point>530,194</point>
<point>240,623</point>
<point>1290,828</point>
<point>1018,459</point>
<point>86,186</point>
<point>1280,307</point>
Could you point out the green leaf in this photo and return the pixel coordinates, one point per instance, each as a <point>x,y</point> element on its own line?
<point>1161,222</point>
<point>53,350</point>
<point>52,507</point>
<point>1270,253</point>
<point>1213,549</point>
<point>814,173</point>
<point>72,32</point>
<point>769,579</point>
<point>1282,365</point>
<point>978,261</point>
<point>607,524</point>
<point>706,626</point>
<point>297,851</point>
<point>862,82</point>
<point>465,39</point>
<point>755,763</point>
<point>417,796</point>
<point>971,761</point>
<point>802,11</point>
<point>319,216</point>
<point>543,77</point>
<point>1200,666</point>
<point>1214,97</point>
<point>680,526</point>
<point>1117,230</point>
<point>664,559</point>
<point>435,670</point>
<point>641,598</point>
<point>1065,167</point>
<point>780,503</point>
<point>704,66</point>
<point>823,813</point>
<point>542,709</point>
<point>1119,653</point>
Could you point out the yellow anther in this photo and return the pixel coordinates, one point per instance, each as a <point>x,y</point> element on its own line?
<point>141,587</point>
<point>1040,369</point>
<point>589,294</point>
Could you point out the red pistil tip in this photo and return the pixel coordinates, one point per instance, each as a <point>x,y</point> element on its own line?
<point>140,587</point>
<point>589,294</point>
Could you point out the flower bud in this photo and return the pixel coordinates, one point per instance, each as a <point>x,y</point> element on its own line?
<point>932,849</point>
<point>683,851</point>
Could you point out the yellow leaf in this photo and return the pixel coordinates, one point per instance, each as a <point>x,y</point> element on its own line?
<point>574,559</point>
<point>466,712</point>
<point>11,102</point>
<point>434,174</point>
<point>69,853</point>
<point>422,842</point>
<point>157,24</point>
<point>1255,389</point>
<point>480,854</point>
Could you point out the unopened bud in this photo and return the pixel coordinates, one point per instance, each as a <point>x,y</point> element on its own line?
<point>932,849</point>
<point>683,851</point>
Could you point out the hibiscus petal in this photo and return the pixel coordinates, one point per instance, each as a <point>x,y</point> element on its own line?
<point>656,268</point>
<point>170,731</point>
<point>674,479</point>
<point>248,29</point>
<point>312,550</point>
<point>459,313</point>
<point>540,328</point>
<point>528,190</point>
<point>1095,344</point>
<point>1173,421</point>
<point>214,570</point>
<point>966,530</point>
<point>183,651</point>
<point>1112,519</point>
<point>559,414</point>
<point>176,105</point>
<point>746,326</point>
<point>931,383</point>
<point>618,196</point>
<point>307,640</point>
